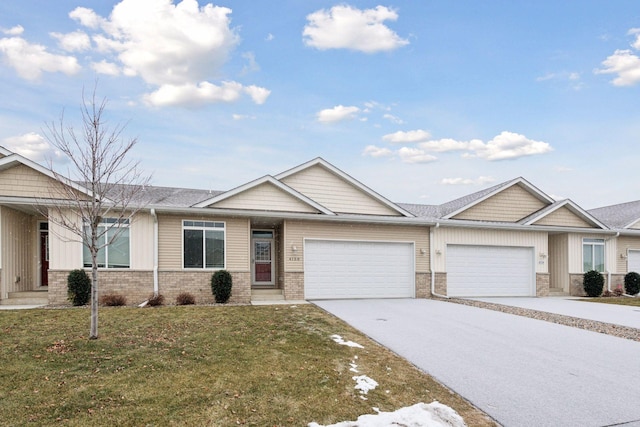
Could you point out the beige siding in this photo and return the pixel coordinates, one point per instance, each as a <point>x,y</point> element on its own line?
<point>624,243</point>
<point>22,181</point>
<point>65,248</point>
<point>141,242</point>
<point>510,205</point>
<point>563,217</point>
<point>265,197</point>
<point>559,261</point>
<point>170,241</point>
<point>19,251</point>
<point>575,252</point>
<point>296,231</point>
<point>334,193</point>
<point>467,236</point>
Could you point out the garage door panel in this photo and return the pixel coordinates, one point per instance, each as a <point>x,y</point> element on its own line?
<point>633,260</point>
<point>489,271</point>
<point>348,269</point>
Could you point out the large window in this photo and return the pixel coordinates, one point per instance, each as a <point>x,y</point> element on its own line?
<point>203,243</point>
<point>117,253</point>
<point>593,255</point>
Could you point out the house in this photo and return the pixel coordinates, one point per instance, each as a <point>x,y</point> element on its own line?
<point>312,232</point>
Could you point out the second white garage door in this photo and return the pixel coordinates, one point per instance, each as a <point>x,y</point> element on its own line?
<point>490,271</point>
<point>633,260</point>
<point>335,269</point>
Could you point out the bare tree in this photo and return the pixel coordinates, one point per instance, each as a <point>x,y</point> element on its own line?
<point>99,163</point>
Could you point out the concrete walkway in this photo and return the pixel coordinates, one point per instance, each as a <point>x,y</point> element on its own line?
<point>625,315</point>
<point>19,307</point>
<point>520,371</point>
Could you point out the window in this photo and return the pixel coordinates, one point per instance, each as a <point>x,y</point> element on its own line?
<point>203,243</point>
<point>593,255</point>
<point>117,253</point>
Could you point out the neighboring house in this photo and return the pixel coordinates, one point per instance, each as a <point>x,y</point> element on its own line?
<point>312,232</point>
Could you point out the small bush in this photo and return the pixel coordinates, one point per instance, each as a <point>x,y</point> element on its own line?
<point>156,300</point>
<point>113,300</point>
<point>78,287</point>
<point>632,283</point>
<point>593,283</point>
<point>185,298</point>
<point>618,291</point>
<point>607,293</point>
<point>221,283</point>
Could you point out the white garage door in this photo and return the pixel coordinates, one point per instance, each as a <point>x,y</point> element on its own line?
<point>483,271</point>
<point>633,261</point>
<point>346,269</point>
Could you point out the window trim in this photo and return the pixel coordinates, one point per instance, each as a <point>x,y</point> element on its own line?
<point>593,243</point>
<point>109,222</point>
<point>216,225</point>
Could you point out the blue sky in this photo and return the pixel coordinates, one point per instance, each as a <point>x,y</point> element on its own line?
<point>423,101</point>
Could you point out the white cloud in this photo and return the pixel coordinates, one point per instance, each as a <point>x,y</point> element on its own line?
<point>32,146</point>
<point>346,27</point>
<point>76,41</point>
<point>242,117</point>
<point>373,151</point>
<point>625,64</point>
<point>87,17</point>
<point>258,94</point>
<point>393,119</point>
<point>105,67</point>
<point>482,180</point>
<point>448,144</point>
<point>13,31</point>
<point>408,137</point>
<point>31,60</point>
<point>178,48</point>
<point>190,95</point>
<point>415,155</point>
<point>509,145</point>
<point>270,37</point>
<point>337,113</point>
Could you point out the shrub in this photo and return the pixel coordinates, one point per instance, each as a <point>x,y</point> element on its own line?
<point>156,300</point>
<point>185,298</point>
<point>607,293</point>
<point>632,283</point>
<point>221,286</point>
<point>593,283</point>
<point>113,300</point>
<point>618,291</point>
<point>78,287</point>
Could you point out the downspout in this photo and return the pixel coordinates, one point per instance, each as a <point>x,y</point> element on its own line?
<point>431,255</point>
<point>155,252</point>
<point>607,270</point>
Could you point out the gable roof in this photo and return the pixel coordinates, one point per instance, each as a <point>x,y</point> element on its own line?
<point>12,159</point>
<point>318,161</point>
<point>453,208</point>
<point>622,215</point>
<point>560,204</point>
<point>265,179</point>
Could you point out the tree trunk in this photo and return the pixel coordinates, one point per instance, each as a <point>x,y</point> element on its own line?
<point>93,333</point>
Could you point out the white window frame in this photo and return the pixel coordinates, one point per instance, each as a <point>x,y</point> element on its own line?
<point>109,223</point>
<point>202,225</point>
<point>594,243</point>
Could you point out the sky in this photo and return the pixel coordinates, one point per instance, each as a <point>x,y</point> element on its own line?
<point>422,101</point>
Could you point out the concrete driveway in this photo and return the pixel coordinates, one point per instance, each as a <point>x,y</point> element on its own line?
<point>521,371</point>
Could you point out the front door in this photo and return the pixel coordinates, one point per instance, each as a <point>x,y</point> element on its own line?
<point>262,255</point>
<point>44,254</point>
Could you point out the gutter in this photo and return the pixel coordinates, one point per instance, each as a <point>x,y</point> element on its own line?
<point>433,273</point>
<point>155,252</point>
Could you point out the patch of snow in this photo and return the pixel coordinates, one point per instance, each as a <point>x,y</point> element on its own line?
<point>354,368</point>
<point>364,383</point>
<point>339,340</point>
<point>419,415</point>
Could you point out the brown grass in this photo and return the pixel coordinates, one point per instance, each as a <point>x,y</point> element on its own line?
<point>615,300</point>
<point>190,365</point>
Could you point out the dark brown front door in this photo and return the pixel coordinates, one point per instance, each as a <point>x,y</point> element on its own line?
<point>44,258</point>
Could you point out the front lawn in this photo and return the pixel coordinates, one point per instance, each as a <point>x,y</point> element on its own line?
<point>615,300</point>
<point>216,366</point>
